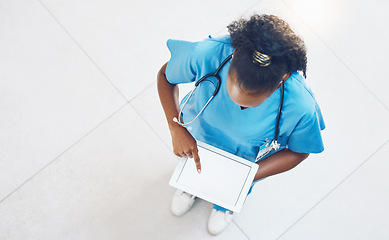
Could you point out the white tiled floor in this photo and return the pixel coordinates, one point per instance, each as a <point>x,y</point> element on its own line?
<point>80,122</point>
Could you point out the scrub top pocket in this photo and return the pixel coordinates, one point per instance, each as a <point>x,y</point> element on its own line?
<point>283,141</point>
<point>251,150</point>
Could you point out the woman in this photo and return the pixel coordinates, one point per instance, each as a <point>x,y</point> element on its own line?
<point>241,118</point>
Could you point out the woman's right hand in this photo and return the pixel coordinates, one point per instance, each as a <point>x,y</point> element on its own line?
<point>184,145</point>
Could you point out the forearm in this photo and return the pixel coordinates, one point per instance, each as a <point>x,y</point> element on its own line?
<point>279,162</point>
<point>183,142</point>
<point>168,95</point>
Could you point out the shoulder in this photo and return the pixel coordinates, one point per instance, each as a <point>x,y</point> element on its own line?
<point>213,50</point>
<point>189,60</point>
<point>211,47</point>
<point>301,98</point>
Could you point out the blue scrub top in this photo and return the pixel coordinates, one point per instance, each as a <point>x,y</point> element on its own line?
<point>223,124</point>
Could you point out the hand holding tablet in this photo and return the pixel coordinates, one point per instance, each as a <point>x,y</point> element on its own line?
<point>225,179</point>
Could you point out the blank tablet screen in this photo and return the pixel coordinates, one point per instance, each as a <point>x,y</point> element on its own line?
<point>223,178</point>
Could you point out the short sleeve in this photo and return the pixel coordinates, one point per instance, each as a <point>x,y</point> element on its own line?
<point>181,68</point>
<point>306,137</point>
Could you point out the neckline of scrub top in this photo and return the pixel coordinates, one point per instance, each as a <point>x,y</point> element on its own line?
<point>268,100</point>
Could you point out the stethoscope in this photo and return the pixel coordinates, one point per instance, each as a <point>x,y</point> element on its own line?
<point>273,145</point>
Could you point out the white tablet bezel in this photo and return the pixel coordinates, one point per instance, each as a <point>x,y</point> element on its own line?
<point>243,191</point>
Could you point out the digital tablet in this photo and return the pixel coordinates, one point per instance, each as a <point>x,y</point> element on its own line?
<point>225,179</point>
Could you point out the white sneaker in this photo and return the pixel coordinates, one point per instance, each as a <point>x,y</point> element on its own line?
<point>218,221</point>
<point>182,202</point>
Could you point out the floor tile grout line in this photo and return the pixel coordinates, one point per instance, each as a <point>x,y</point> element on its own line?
<point>240,229</point>
<point>340,59</point>
<point>65,151</point>
<point>333,189</point>
<point>142,91</point>
<point>252,6</point>
<point>150,127</point>
<point>221,29</point>
<point>141,116</point>
<point>84,51</point>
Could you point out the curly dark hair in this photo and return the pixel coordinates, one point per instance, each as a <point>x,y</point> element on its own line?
<point>272,36</point>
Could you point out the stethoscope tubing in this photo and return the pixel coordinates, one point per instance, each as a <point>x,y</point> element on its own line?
<point>215,74</point>
<point>277,130</point>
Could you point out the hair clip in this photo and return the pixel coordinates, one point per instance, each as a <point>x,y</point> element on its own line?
<point>262,59</point>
